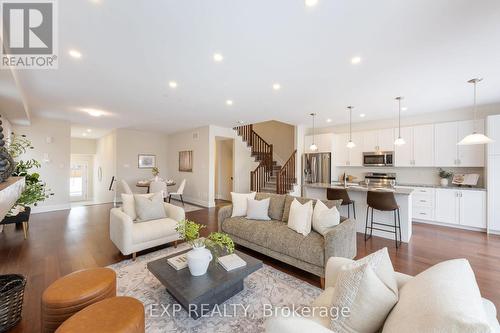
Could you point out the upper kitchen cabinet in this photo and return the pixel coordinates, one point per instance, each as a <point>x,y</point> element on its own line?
<point>419,147</point>
<point>381,140</point>
<point>493,131</point>
<point>343,156</point>
<point>448,153</point>
<point>323,141</point>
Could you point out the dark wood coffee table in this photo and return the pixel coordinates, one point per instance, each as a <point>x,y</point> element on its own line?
<point>200,294</point>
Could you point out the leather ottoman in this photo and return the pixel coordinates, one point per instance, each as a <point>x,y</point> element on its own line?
<point>113,315</point>
<point>73,292</point>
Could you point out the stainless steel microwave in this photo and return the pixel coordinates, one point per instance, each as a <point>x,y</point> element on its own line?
<point>378,159</point>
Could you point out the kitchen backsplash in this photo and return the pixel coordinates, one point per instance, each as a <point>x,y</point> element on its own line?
<point>408,175</point>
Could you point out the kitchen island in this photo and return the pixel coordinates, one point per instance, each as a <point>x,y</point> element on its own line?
<point>358,194</point>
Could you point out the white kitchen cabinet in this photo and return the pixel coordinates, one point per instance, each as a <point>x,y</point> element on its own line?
<point>445,144</point>
<point>493,132</point>
<point>343,156</point>
<point>472,155</point>
<point>380,140</point>
<point>324,142</point>
<point>462,207</point>
<point>356,153</point>
<point>447,209</point>
<point>423,145</point>
<point>494,192</point>
<point>404,154</point>
<point>419,147</point>
<point>472,208</point>
<point>385,139</point>
<point>448,153</point>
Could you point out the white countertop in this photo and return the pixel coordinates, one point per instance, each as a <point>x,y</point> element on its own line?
<point>359,188</point>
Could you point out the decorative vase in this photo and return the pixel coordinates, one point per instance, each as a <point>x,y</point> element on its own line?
<point>198,260</point>
<point>444,182</point>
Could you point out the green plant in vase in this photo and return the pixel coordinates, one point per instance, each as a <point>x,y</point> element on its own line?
<point>445,176</point>
<point>155,171</point>
<point>201,255</point>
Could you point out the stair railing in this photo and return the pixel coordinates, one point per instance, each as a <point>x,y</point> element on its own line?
<point>263,152</point>
<point>286,176</point>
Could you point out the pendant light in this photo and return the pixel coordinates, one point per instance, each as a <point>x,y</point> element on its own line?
<point>313,146</point>
<point>399,141</point>
<point>350,144</point>
<point>475,138</point>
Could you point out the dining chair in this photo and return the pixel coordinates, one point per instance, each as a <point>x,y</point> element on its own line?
<point>179,192</point>
<point>126,189</point>
<point>157,186</point>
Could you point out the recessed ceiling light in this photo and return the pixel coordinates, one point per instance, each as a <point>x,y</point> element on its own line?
<point>362,115</point>
<point>404,108</point>
<point>229,102</point>
<point>355,60</point>
<point>218,57</point>
<point>89,130</point>
<point>94,112</point>
<point>172,84</point>
<point>84,134</point>
<point>311,3</point>
<point>328,120</point>
<point>276,86</point>
<point>75,54</point>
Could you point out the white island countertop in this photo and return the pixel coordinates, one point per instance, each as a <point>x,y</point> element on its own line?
<point>359,188</point>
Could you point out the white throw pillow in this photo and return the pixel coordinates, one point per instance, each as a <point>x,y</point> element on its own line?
<point>324,218</point>
<point>258,209</point>
<point>368,289</point>
<point>443,298</point>
<point>300,217</point>
<point>152,208</point>
<point>128,204</point>
<point>240,203</point>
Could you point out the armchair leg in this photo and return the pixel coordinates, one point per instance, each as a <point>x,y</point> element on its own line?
<point>322,282</point>
<point>182,200</point>
<point>169,198</point>
<point>134,256</point>
<point>25,229</point>
<point>175,244</point>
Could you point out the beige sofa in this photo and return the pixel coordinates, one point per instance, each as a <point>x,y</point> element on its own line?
<point>274,239</point>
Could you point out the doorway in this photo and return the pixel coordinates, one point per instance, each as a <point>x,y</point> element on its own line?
<point>223,168</point>
<point>80,182</point>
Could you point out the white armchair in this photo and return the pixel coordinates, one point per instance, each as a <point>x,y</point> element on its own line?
<point>297,324</point>
<point>131,237</point>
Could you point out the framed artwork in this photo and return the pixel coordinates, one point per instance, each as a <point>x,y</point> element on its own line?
<point>146,161</point>
<point>186,161</point>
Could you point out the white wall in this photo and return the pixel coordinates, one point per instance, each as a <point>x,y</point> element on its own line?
<point>56,171</point>
<point>83,146</point>
<point>104,168</point>
<point>131,143</point>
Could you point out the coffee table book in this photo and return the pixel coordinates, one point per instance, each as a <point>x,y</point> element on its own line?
<point>231,261</point>
<point>178,262</point>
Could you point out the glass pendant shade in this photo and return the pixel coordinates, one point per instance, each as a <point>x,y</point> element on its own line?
<point>350,144</point>
<point>399,141</point>
<point>475,139</point>
<point>313,147</point>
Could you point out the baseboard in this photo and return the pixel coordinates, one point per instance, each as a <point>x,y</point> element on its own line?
<point>50,208</point>
<point>494,232</point>
<point>195,201</point>
<point>456,226</point>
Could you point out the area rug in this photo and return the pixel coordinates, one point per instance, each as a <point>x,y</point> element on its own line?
<point>265,287</point>
<point>187,207</point>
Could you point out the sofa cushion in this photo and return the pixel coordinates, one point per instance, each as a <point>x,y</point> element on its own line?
<point>443,298</point>
<point>276,205</point>
<point>300,217</point>
<point>258,209</point>
<point>302,200</point>
<point>151,208</point>
<point>128,204</point>
<point>154,229</point>
<point>276,236</point>
<point>240,203</point>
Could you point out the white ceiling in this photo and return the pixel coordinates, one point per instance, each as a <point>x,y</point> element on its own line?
<point>88,132</point>
<point>425,50</point>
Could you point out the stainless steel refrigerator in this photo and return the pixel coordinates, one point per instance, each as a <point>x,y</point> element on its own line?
<point>316,168</point>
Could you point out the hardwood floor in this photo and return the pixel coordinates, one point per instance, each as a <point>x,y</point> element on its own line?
<point>65,241</point>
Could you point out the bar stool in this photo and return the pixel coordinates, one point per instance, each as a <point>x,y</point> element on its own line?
<point>384,201</point>
<point>341,194</point>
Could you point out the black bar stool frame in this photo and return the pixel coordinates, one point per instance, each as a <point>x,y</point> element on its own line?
<point>383,201</point>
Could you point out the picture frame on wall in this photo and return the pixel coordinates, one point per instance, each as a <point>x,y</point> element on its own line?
<point>186,161</point>
<point>146,161</point>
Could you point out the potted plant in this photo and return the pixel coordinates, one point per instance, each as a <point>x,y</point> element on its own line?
<point>200,256</point>
<point>155,171</point>
<point>445,176</point>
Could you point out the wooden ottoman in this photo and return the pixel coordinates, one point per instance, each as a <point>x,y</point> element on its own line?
<point>73,292</point>
<point>113,315</point>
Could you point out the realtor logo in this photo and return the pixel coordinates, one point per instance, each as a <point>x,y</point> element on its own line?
<point>29,34</point>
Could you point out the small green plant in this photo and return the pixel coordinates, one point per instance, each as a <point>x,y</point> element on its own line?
<point>445,174</point>
<point>217,242</point>
<point>155,171</point>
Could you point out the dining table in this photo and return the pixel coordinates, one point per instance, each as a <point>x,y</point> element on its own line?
<point>145,184</point>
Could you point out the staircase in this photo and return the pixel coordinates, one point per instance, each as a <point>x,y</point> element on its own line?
<point>269,176</point>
